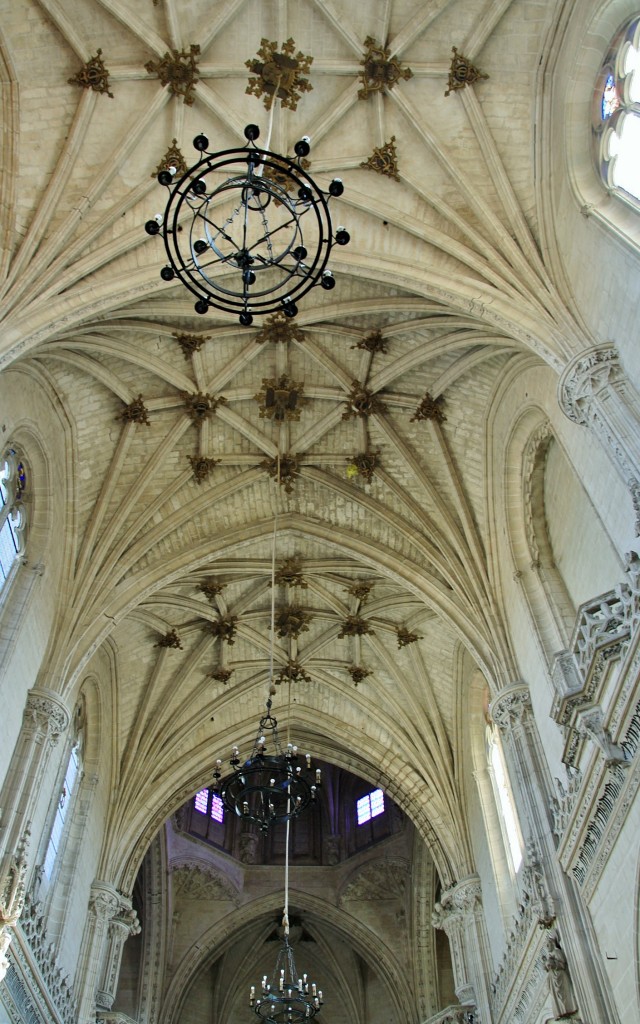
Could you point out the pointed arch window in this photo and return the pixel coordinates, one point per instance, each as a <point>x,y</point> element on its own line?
<point>62,810</point>
<point>504,798</point>
<point>13,484</point>
<point>616,120</point>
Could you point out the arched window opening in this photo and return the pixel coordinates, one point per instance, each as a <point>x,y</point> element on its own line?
<point>504,799</point>
<point>616,118</point>
<point>13,484</point>
<point>62,810</point>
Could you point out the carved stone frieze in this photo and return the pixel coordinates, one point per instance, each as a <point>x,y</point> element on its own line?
<point>378,880</point>
<point>193,882</point>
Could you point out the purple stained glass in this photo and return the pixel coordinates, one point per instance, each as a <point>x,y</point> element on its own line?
<point>610,98</point>
<point>217,809</point>
<point>370,806</point>
<point>201,800</point>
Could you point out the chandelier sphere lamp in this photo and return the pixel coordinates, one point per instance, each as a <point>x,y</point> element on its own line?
<point>248,231</point>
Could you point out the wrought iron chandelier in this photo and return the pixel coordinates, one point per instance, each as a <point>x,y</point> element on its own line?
<point>246,230</point>
<point>270,786</point>
<point>288,998</point>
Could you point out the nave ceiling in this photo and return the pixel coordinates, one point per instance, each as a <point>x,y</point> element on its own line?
<point>387,516</point>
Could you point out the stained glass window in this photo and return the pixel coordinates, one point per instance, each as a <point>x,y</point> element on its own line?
<point>370,806</point>
<point>206,802</point>
<point>617,121</point>
<point>201,800</point>
<point>217,808</point>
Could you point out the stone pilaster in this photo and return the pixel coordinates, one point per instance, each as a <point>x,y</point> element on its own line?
<point>594,391</point>
<point>533,792</point>
<point>105,903</point>
<point>459,913</point>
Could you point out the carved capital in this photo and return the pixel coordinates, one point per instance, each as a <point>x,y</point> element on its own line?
<point>584,378</point>
<point>511,706</point>
<point>457,904</point>
<point>104,901</point>
<point>45,714</point>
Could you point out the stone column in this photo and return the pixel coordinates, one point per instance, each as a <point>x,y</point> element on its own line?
<point>105,903</point>
<point>124,924</point>
<point>534,794</point>
<point>461,916</point>
<point>594,391</point>
<point>45,719</point>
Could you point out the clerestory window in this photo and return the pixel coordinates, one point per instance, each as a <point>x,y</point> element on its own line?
<point>504,799</point>
<point>13,484</point>
<point>62,809</point>
<point>616,121</point>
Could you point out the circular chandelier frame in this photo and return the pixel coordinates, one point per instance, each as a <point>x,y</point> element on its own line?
<point>268,787</point>
<point>248,231</point>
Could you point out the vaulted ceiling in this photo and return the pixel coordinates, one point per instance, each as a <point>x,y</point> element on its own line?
<point>379,478</point>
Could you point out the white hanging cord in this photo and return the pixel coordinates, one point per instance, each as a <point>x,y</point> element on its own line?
<point>285,916</point>
<point>270,686</point>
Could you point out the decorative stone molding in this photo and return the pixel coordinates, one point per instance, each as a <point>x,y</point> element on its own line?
<point>536,895</point>
<point>511,707</point>
<point>591,724</point>
<point>594,391</point>
<point>562,805</point>
<point>378,880</point>
<point>12,896</point>
<point>586,377</point>
<point>33,928</point>
<point>193,882</point>
<point>45,714</point>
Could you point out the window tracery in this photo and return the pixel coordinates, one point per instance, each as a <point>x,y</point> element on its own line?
<point>616,121</point>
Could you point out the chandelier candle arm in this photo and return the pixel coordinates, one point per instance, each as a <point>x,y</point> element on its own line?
<point>248,231</point>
